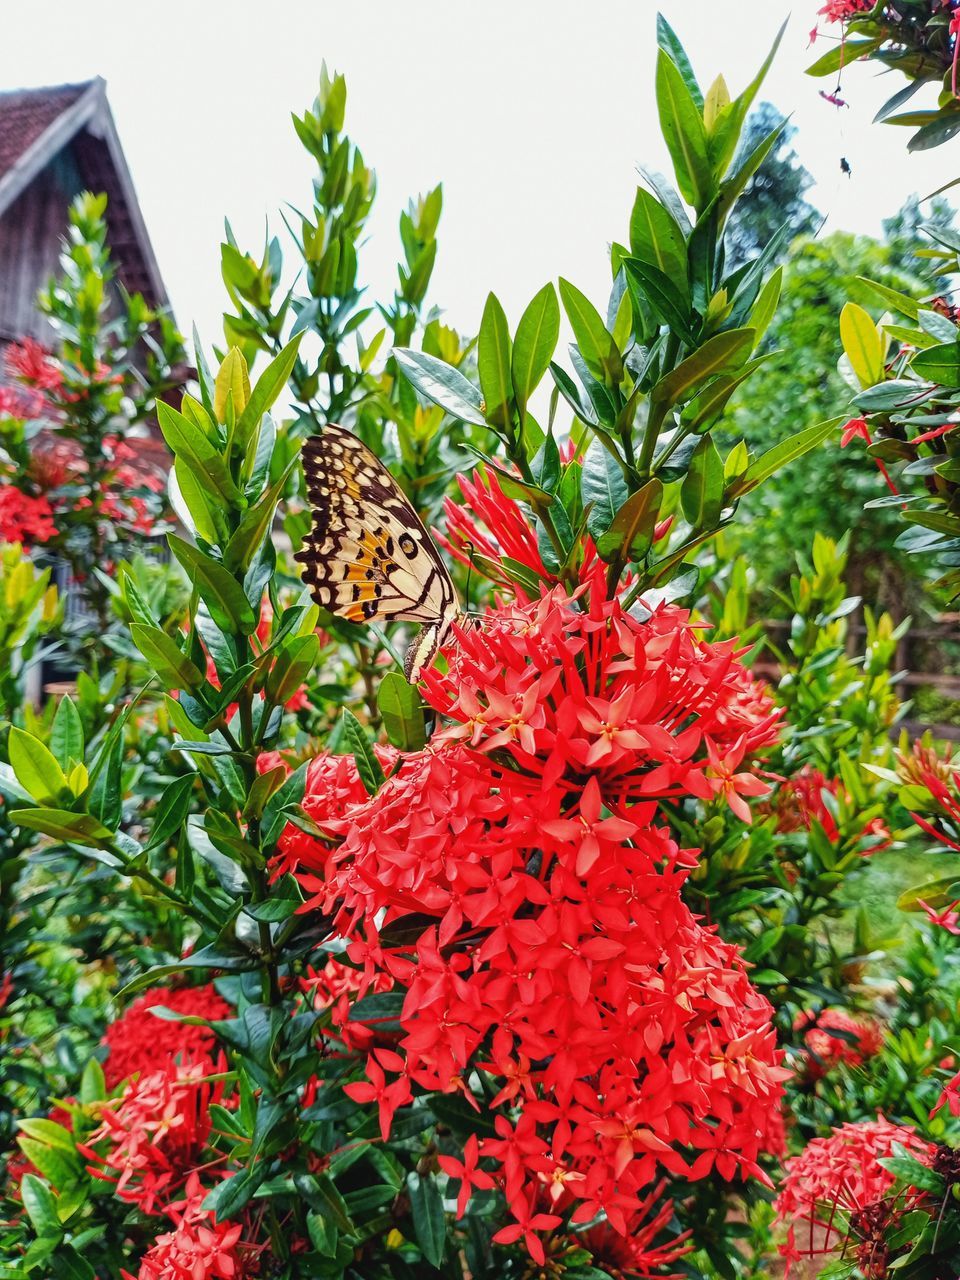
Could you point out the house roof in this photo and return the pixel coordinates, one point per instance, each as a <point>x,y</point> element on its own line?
<point>37,124</point>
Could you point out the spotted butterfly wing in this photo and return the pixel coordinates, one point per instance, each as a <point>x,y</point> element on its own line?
<point>368,556</point>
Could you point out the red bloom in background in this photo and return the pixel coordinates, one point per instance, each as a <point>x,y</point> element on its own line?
<point>829,1186</point>
<point>800,802</point>
<point>139,1041</point>
<point>24,519</point>
<point>514,880</point>
<point>198,1247</point>
<point>31,364</point>
<point>860,1038</point>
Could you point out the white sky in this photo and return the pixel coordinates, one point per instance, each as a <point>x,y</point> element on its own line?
<point>532,112</point>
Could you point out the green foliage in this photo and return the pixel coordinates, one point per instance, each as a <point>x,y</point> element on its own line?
<point>801,383</point>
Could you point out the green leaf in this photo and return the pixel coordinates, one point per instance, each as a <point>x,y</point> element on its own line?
<point>901,302</point>
<point>429,1223</point>
<point>66,734</point>
<point>254,525</point>
<point>661,292</point>
<point>402,712</point>
<point>162,653</point>
<point>184,482</point>
<point>723,352</point>
<point>655,237</point>
<point>603,487</point>
<point>701,492</point>
<point>941,129</point>
<point>171,811</point>
<point>189,443</point>
<point>93,1086</point>
<point>41,1207</point>
<point>535,343</point>
<point>232,381</point>
<point>443,384</point>
<point>862,344</point>
<point>36,767</point>
<point>631,532</point>
<point>493,363</point>
<point>683,131</point>
<point>321,1194</point>
<point>269,385</point>
<point>61,824</point>
<point>842,55</point>
<point>595,343</point>
<point>106,794</point>
<point>780,455</point>
<point>297,658</point>
<point>667,41</point>
<point>220,591</point>
<point>358,744</point>
<point>939,364</point>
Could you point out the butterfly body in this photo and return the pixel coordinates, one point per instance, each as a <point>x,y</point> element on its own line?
<point>368,556</point>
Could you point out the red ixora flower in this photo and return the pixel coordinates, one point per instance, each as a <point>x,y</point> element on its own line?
<point>139,1041</point>
<point>494,527</point>
<point>837,1185</point>
<point>859,1038</point>
<point>153,1135</point>
<point>801,801</point>
<point>31,364</point>
<point>516,882</point>
<point>24,519</point>
<point>198,1247</point>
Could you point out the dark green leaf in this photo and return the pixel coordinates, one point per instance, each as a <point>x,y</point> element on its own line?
<point>358,744</point>
<point>493,363</point>
<point>401,711</point>
<point>429,1224</point>
<point>701,492</point>
<point>535,343</point>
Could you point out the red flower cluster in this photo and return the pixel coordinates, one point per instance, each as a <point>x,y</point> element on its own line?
<point>830,1185</point>
<point>152,1137</point>
<point>24,519</point>
<point>198,1247</point>
<point>800,802</point>
<point>32,365</point>
<point>859,1038</point>
<point>844,10</point>
<point>139,1041</point>
<point>515,881</point>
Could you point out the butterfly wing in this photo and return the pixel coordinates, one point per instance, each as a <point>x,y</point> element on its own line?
<point>368,555</point>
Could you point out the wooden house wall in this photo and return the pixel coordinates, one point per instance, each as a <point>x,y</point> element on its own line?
<point>30,237</point>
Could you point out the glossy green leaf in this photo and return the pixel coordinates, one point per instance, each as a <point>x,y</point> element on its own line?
<point>656,237</point>
<point>220,591</point>
<point>596,345</point>
<point>443,384</point>
<point>358,744</point>
<point>41,1207</point>
<point>719,354</point>
<point>66,733</point>
<point>189,443</point>
<point>683,131</point>
<point>781,455</point>
<point>939,364</point>
<point>535,343</point>
<point>701,492</point>
<point>429,1222</point>
<point>630,534</point>
<point>401,712</point>
<point>268,387</point>
<point>164,656</point>
<point>494,351</point>
<point>61,824</point>
<point>862,344</point>
<point>36,767</point>
<point>603,488</point>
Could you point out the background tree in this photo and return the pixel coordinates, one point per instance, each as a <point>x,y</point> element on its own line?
<point>774,196</point>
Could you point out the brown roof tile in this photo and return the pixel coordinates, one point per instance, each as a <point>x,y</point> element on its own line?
<point>26,114</point>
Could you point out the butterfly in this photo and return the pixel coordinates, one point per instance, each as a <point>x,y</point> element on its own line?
<point>368,555</point>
